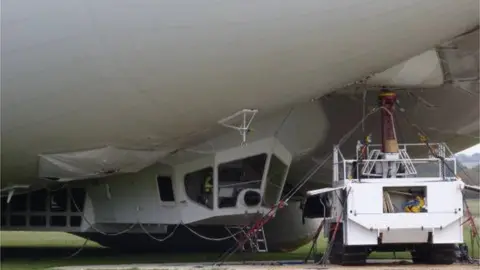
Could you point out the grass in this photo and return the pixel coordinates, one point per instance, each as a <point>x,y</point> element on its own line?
<point>474,206</point>
<point>40,250</point>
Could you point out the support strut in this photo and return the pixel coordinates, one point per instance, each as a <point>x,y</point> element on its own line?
<point>387,101</point>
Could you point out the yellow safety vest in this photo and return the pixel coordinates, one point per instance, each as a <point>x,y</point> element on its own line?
<point>208,184</point>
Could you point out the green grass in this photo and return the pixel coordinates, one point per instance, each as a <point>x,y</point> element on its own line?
<point>62,245</point>
<point>474,206</point>
<point>95,254</point>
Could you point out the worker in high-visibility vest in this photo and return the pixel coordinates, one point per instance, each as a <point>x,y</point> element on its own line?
<point>208,184</point>
<point>207,189</point>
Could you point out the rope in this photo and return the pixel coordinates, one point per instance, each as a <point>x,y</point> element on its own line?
<point>313,248</point>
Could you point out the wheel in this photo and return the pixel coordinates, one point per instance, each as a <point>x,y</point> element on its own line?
<point>434,254</point>
<point>346,255</point>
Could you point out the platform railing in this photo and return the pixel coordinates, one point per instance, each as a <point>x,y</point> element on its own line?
<point>426,165</point>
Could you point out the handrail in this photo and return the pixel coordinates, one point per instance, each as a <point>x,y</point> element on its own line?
<point>344,171</point>
<point>413,159</point>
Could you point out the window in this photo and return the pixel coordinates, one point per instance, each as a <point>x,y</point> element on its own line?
<point>58,200</point>
<point>77,199</point>
<point>38,221</point>
<point>410,199</point>
<point>19,203</point>
<point>197,186</point>
<point>38,200</point>
<point>276,174</point>
<point>237,175</point>
<point>165,188</point>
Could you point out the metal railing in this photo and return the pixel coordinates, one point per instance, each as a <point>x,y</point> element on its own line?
<point>416,160</point>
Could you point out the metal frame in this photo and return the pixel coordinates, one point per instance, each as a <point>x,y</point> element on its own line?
<point>341,165</point>
<point>244,127</point>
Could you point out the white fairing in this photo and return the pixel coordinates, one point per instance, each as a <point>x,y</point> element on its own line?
<point>424,70</point>
<point>153,74</point>
<point>95,163</point>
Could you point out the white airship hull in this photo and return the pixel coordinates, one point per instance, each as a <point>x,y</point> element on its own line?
<point>150,74</point>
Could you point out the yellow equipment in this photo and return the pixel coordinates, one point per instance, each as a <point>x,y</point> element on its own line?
<point>415,206</point>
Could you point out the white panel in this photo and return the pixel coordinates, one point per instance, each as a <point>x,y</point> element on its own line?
<point>102,208</point>
<point>367,198</point>
<point>450,234</point>
<point>359,235</point>
<point>405,220</point>
<point>437,194</point>
<point>405,236</point>
<point>88,213</point>
<point>250,149</point>
<point>133,198</point>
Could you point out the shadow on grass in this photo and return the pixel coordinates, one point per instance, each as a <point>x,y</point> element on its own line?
<point>45,257</point>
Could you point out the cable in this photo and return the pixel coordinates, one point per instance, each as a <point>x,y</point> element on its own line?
<point>91,225</point>
<point>210,238</point>
<point>79,249</point>
<point>157,239</point>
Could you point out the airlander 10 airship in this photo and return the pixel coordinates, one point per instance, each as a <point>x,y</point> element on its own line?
<point>168,124</point>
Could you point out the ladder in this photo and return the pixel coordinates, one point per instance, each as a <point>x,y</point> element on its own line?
<point>256,243</point>
<point>370,164</point>
<point>405,160</point>
<point>407,163</point>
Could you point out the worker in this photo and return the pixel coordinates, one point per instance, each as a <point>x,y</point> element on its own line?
<point>207,188</point>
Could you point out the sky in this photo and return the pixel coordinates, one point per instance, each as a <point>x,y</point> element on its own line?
<point>472,150</point>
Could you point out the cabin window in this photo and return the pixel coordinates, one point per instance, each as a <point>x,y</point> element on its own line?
<point>165,188</point>
<point>38,221</point>
<point>77,199</point>
<point>197,186</point>
<point>275,176</point>
<point>19,203</point>
<point>17,220</point>
<point>75,221</point>
<point>58,200</point>
<point>38,200</point>
<point>237,175</point>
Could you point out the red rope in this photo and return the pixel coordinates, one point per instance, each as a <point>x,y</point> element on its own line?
<point>261,222</point>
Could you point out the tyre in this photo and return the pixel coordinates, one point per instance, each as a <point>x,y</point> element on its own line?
<point>345,255</point>
<point>434,254</point>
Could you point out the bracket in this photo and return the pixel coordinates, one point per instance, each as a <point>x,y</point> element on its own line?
<point>11,190</point>
<point>246,117</point>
